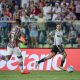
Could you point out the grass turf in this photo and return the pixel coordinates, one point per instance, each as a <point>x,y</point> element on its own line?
<point>39,75</point>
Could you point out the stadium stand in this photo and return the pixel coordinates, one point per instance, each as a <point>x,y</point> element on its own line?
<point>33,15</point>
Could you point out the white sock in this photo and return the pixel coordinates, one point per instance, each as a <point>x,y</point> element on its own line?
<point>21,68</point>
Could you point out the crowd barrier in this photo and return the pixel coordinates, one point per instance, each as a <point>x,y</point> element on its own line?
<point>31,55</point>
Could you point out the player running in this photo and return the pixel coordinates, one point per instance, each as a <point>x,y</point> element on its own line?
<point>12,47</point>
<point>57,47</point>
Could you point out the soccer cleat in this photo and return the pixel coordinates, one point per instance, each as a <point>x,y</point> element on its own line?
<point>36,64</point>
<point>25,72</point>
<point>62,68</point>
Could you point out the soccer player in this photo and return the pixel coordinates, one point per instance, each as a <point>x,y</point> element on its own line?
<point>12,47</point>
<point>57,46</point>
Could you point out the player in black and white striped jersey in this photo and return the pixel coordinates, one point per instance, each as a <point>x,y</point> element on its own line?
<point>57,46</point>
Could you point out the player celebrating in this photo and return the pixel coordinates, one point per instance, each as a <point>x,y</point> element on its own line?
<point>12,47</point>
<point>57,47</point>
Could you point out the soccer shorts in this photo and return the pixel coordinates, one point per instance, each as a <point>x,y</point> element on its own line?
<point>57,48</point>
<point>14,50</point>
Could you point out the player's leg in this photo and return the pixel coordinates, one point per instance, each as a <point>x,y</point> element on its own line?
<point>8,55</point>
<point>44,59</point>
<point>17,51</point>
<point>20,60</point>
<point>63,58</point>
<point>53,53</point>
<point>6,58</point>
<point>62,51</point>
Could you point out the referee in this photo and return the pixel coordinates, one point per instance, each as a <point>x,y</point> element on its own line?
<point>57,46</point>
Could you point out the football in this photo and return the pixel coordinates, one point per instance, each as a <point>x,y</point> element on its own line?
<point>70,68</point>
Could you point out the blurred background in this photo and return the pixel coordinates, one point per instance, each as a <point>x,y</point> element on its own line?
<point>40,17</point>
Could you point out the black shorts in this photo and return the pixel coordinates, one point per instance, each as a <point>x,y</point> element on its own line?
<point>57,48</point>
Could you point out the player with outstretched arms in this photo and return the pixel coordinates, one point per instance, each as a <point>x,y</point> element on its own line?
<point>57,46</point>
<point>12,47</point>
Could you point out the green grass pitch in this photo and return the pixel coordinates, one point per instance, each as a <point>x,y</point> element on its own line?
<point>39,75</point>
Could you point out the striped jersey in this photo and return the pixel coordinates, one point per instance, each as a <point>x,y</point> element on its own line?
<point>14,36</point>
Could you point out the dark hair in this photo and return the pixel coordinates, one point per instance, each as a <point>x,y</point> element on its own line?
<point>18,21</point>
<point>59,23</point>
<point>79,35</point>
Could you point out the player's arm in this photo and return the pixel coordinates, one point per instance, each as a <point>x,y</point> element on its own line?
<point>22,38</point>
<point>50,38</point>
<point>64,38</point>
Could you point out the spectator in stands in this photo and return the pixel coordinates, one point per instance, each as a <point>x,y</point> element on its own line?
<point>54,16</point>
<point>78,10</point>
<point>35,11</point>
<point>24,17</point>
<point>1,33</point>
<point>78,40</point>
<point>41,28</point>
<point>16,15</point>
<point>23,2</point>
<point>25,21</point>
<point>5,4</point>
<point>57,17</point>
<point>25,7</point>
<point>65,2</point>
<point>64,8</point>
<point>16,8</point>
<point>8,13</point>
<point>5,24</point>
<point>18,2</point>
<point>33,33</point>
<point>59,12</point>
<point>57,8</point>
<point>72,6</point>
<point>72,36</point>
<point>75,2</point>
<point>12,7</point>
<point>47,11</point>
<point>70,15</point>
<point>41,3</point>
<point>51,2</point>
<point>41,10</point>
<point>1,7</point>
<point>31,4</point>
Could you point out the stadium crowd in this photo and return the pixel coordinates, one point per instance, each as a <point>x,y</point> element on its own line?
<point>38,18</point>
